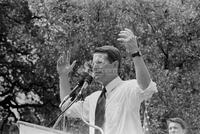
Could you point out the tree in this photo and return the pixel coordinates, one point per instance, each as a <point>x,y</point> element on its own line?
<point>25,85</point>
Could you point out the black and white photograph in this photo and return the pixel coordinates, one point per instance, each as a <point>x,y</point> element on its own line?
<point>99,67</point>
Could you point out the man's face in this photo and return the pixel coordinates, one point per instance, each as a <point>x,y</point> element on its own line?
<point>175,128</point>
<point>101,66</point>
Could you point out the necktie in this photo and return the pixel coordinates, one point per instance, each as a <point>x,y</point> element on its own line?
<point>100,110</point>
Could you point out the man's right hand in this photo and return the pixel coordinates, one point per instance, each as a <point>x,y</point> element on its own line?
<point>63,64</point>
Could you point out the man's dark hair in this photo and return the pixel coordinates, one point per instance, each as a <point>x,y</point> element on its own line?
<point>179,121</point>
<point>112,52</point>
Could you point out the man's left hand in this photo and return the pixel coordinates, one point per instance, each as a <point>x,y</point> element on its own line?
<point>129,40</point>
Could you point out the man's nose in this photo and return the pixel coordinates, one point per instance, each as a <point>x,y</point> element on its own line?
<point>96,68</point>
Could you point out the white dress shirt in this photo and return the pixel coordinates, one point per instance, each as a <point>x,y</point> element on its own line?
<point>123,99</point>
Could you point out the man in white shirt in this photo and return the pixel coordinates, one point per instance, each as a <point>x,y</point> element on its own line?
<point>123,98</point>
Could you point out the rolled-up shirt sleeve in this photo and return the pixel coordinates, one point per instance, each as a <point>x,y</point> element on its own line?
<point>148,92</point>
<point>79,109</point>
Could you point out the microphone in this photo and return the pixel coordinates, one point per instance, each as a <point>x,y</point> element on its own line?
<point>87,82</point>
<point>76,89</point>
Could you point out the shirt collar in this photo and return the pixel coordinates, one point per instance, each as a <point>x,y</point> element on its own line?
<point>113,84</point>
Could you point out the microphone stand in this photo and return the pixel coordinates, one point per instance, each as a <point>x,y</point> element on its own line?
<point>58,118</point>
<point>78,97</point>
<point>81,98</point>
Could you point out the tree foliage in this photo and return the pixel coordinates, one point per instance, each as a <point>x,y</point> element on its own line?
<point>34,33</point>
<point>26,88</point>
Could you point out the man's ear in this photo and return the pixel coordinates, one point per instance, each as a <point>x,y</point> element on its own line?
<point>115,64</point>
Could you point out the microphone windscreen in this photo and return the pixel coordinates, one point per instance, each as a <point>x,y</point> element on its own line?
<point>89,79</point>
<point>84,75</point>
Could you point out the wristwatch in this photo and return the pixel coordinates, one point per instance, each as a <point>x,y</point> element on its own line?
<point>138,53</point>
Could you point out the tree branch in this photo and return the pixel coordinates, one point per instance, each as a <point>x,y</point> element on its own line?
<point>6,93</point>
<point>27,105</point>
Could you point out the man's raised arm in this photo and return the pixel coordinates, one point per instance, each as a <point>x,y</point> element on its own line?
<point>142,74</point>
<point>63,69</point>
